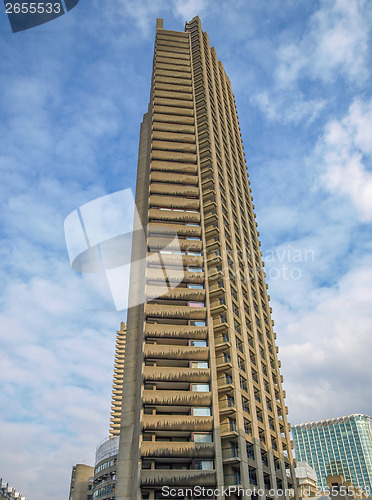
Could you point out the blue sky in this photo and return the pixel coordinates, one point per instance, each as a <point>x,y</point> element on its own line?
<point>72,95</point>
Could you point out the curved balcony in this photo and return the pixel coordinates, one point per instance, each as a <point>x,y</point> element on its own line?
<point>106,449</point>
<point>179,398</point>
<point>174,477</point>
<point>176,374</point>
<point>177,423</point>
<point>176,352</point>
<point>173,449</point>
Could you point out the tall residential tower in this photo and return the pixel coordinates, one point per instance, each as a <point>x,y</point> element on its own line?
<point>203,403</point>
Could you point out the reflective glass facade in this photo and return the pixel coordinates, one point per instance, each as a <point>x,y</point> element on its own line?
<point>337,446</point>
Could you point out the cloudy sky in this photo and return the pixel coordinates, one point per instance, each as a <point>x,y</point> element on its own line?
<point>72,95</point>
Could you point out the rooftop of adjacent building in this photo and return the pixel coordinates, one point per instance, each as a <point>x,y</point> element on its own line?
<point>107,448</point>
<point>304,470</point>
<point>332,421</point>
<point>9,492</point>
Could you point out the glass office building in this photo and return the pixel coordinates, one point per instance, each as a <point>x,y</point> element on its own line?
<point>340,445</point>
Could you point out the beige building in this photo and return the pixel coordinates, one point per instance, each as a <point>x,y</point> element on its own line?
<point>81,482</point>
<point>307,481</point>
<point>203,404</point>
<point>117,386</point>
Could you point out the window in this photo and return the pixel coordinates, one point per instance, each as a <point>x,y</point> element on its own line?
<point>202,437</point>
<point>203,464</point>
<point>199,364</point>
<point>201,412</point>
<point>200,387</point>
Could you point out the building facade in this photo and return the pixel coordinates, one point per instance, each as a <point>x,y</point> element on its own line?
<point>81,484</point>
<point>203,404</point>
<point>307,481</point>
<point>117,385</point>
<point>105,469</point>
<point>337,446</point>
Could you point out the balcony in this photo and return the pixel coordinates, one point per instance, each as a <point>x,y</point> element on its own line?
<point>173,189</point>
<point>166,166</point>
<point>174,276</point>
<point>177,423</point>
<point>230,454</point>
<point>176,352</point>
<point>173,449</point>
<point>183,294</point>
<point>176,331</point>
<point>176,398</point>
<point>173,243</point>
<point>179,312</point>
<point>174,178</point>
<point>174,202</point>
<point>175,374</point>
<point>157,228</point>
<point>162,477</point>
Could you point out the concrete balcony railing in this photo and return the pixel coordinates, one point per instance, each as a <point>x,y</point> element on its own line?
<point>176,331</point>
<point>173,110</point>
<point>174,202</point>
<point>175,261</point>
<point>173,243</point>
<point>172,155</point>
<point>184,147</point>
<point>169,215</point>
<point>174,276</point>
<point>185,294</point>
<point>177,423</point>
<point>162,117</point>
<point>179,229</point>
<point>173,189</point>
<point>179,398</point>
<point>176,352</point>
<point>179,312</point>
<point>173,449</point>
<point>174,178</point>
<point>175,374</point>
<point>166,166</point>
<point>175,477</point>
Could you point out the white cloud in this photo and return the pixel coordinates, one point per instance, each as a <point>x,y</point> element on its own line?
<point>344,154</point>
<point>187,9</point>
<point>335,42</point>
<point>291,107</point>
<point>326,351</point>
